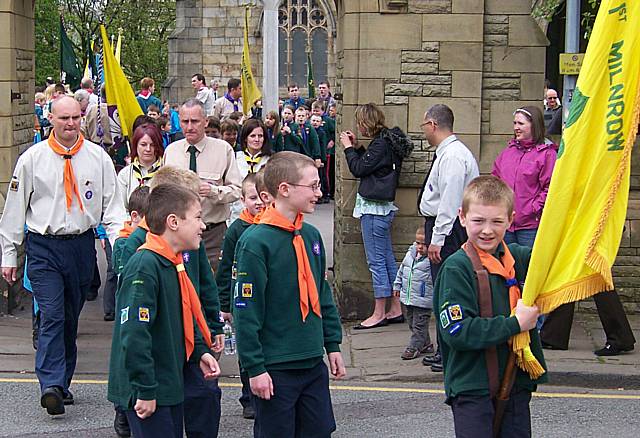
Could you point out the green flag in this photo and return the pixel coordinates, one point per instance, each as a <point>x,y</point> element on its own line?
<point>70,71</point>
<point>312,87</point>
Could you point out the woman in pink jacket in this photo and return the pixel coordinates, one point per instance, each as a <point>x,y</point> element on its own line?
<point>526,166</point>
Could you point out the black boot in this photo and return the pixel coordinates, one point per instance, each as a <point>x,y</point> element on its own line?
<point>121,424</point>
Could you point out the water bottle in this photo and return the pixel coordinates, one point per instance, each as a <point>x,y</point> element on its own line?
<point>229,339</point>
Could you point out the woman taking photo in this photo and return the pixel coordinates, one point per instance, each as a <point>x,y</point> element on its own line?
<point>378,168</point>
<point>146,158</point>
<point>526,166</point>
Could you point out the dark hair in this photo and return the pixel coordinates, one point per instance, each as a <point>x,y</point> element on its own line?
<point>233,83</point>
<point>292,85</point>
<point>442,115</point>
<point>154,134</point>
<point>535,116</point>
<point>213,122</point>
<point>142,120</point>
<point>167,199</point>
<point>235,116</point>
<point>286,167</point>
<point>248,128</point>
<point>59,88</point>
<point>229,125</point>
<point>275,116</point>
<point>199,76</point>
<point>324,82</point>
<point>161,121</point>
<point>139,201</point>
<point>153,107</point>
<point>318,104</point>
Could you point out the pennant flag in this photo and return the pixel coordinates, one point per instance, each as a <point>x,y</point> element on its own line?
<point>90,69</point>
<point>70,70</point>
<point>250,91</point>
<point>119,91</point>
<point>310,84</point>
<point>583,218</point>
<point>118,45</point>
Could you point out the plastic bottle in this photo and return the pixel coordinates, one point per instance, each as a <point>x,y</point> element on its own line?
<point>229,339</point>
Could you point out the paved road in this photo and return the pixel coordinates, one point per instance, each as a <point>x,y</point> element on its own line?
<point>361,411</point>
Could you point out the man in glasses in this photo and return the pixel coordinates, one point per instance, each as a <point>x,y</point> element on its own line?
<point>552,113</point>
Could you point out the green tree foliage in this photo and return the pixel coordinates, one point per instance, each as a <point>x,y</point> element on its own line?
<point>145,24</point>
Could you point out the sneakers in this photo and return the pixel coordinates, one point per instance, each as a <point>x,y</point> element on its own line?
<point>428,349</point>
<point>430,360</point>
<point>610,350</point>
<point>436,367</point>
<point>410,353</point>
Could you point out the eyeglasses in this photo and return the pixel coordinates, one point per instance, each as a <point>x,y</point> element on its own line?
<point>551,98</point>
<point>315,187</point>
<point>428,122</point>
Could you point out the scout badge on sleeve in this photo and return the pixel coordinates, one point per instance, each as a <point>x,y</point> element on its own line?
<point>455,312</point>
<point>444,319</point>
<point>247,290</point>
<point>143,314</point>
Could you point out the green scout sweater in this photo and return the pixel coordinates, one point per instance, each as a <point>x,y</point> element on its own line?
<point>310,147</point>
<point>322,141</point>
<point>225,267</point>
<point>277,142</point>
<point>147,348</point>
<point>330,128</point>
<point>266,304</point>
<point>116,255</point>
<point>464,335</point>
<point>293,142</point>
<point>199,270</point>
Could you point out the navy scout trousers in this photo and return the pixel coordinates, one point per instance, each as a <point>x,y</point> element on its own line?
<point>201,403</point>
<point>166,422</point>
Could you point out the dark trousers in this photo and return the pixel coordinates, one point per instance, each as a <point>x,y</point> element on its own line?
<point>60,272</point>
<point>201,403</point>
<point>165,422</point>
<point>331,174</point>
<point>300,407</point>
<point>452,242</point>
<point>212,237</point>
<point>557,327</point>
<point>111,282</point>
<point>245,395</point>
<point>473,416</point>
<point>324,180</point>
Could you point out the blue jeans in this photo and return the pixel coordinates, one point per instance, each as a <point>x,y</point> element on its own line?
<point>521,237</point>
<point>376,236</point>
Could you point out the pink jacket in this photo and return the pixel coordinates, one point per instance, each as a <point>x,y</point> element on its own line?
<point>528,173</point>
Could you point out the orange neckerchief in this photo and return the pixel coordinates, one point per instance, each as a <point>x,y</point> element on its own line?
<point>306,282</point>
<point>258,217</point>
<point>191,307</point>
<point>247,217</point>
<point>126,230</point>
<point>143,224</point>
<point>70,183</point>
<point>504,268</point>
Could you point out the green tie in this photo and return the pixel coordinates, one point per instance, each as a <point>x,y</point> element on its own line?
<point>192,160</point>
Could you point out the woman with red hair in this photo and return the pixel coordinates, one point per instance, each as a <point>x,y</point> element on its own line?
<point>146,158</point>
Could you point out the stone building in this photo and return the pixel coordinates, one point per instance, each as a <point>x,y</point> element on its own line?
<point>483,58</point>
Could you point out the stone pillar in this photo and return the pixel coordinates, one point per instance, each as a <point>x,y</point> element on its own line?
<point>17,76</point>
<point>270,62</point>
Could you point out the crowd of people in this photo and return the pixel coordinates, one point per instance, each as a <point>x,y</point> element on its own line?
<point>204,225</point>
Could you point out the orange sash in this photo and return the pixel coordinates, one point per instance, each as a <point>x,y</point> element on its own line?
<point>247,217</point>
<point>126,230</point>
<point>70,183</point>
<point>191,307</point>
<point>504,268</point>
<point>306,282</point>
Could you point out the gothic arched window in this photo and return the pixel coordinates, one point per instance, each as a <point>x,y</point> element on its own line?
<point>302,29</point>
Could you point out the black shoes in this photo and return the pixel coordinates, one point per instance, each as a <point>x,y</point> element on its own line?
<point>381,323</point>
<point>552,347</point>
<point>430,360</point>
<point>121,425</point>
<point>34,339</point>
<point>91,296</point>
<point>248,412</point>
<point>109,316</point>
<point>436,367</point>
<point>67,398</point>
<point>396,320</point>
<point>52,400</point>
<point>611,350</point>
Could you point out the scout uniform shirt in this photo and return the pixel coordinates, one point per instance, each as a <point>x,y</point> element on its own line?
<point>198,269</point>
<point>148,348</point>
<point>36,197</point>
<point>464,335</point>
<point>266,302</point>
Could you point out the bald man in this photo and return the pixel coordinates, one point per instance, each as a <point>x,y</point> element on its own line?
<point>60,190</point>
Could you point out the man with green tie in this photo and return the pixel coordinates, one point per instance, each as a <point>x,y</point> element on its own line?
<point>215,163</point>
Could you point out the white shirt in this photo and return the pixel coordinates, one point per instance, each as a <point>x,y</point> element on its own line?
<point>205,95</point>
<point>36,197</point>
<point>453,169</point>
<point>223,107</point>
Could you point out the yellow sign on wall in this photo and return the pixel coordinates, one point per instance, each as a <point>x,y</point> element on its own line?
<point>570,63</point>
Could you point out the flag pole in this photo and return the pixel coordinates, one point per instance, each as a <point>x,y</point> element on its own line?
<point>502,398</point>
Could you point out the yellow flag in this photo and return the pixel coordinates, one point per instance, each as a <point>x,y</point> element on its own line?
<point>250,91</point>
<point>119,91</point>
<point>583,218</point>
<point>87,68</point>
<point>118,46</point>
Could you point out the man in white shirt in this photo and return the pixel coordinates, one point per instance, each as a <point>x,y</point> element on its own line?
<point>203,93</point>
<point>61,189</point>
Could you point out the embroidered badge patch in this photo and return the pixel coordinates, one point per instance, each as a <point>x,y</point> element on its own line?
<point>444,319</point>
<point>455,328</point>
<point>235,291</point>
<point>14,185</point>
<point>186,257</point>
<point>234,272</point>
<point>88,194</point>
<point>247,290</point>
<point>124,315</point>
<point>316,248</point>
<point>143,314</point>
<point>240,304</point>
<point>455,312</point>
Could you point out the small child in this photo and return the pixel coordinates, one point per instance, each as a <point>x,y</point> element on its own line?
<point>310,142</point>
<point>229,130</point>
<point>165,127</point>
<point>317,124</point>
<point>213,127</point>
<point>144,379</point>
<point>283,308</point>
<point>153,111</point>
<point>252,206</point>
<point>137,209</point>
<point>272,122</point>
<point>329,126</point>
<point>465,337</point>
<point>291,139</point>
<point>414,287</point>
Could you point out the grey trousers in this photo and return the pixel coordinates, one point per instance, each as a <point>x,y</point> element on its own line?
<point>212,238</point>
<point>418,320</point>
